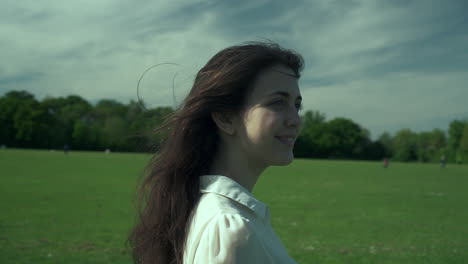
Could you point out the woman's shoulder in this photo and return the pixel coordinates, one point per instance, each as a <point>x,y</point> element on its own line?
<point>212,210</point>
<point>211,204</point>
<point>225,238</point>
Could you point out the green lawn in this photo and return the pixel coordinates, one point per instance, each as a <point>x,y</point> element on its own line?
<point>78,209</point>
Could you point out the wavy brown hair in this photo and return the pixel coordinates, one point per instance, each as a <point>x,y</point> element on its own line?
<point>169,191</point>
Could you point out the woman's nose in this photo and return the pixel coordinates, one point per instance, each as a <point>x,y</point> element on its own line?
<point>294,119</point>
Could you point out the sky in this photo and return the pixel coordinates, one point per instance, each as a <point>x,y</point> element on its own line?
<point>387,65</point>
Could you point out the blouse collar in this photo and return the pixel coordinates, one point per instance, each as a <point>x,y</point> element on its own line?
<point>229,188</point>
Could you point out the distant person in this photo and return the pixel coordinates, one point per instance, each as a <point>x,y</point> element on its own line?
<point>385,163</point>
<point>65,149</point>
<point>442,161</point>
<point>240,117</point>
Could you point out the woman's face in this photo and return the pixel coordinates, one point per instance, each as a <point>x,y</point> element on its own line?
<point>270,121</point>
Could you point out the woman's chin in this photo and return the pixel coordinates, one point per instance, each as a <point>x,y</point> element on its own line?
<point>283,160</point>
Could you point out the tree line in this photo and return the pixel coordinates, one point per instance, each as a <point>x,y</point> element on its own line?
<point>53,122</point>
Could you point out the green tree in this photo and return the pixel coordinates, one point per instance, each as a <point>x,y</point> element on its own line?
<point>65,112</point>
<point>312,125</point>
<point>153,119</point>
<point>437,144</point>
<point>106,108</point>
<point>462,156</point>
<point>23,120</point>
<point>114,131</point>
<point>30,123</point>
<point>85,135</point>
<point>56,135</point>
<point>455,133</point>
<point>423,147</point>
<point>386,140</point>
<point>405,145</point>
<point>10,103</point>
<point>311,118</point>
<point>342,138</point>
<point>53,122</point>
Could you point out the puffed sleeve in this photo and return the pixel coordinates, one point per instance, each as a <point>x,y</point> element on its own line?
<point>228,239</point>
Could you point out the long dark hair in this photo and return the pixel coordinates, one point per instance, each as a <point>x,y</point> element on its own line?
<point>169,192</point>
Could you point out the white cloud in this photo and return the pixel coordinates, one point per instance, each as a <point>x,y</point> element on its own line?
<point>400,100</point>
<point>375,63</point>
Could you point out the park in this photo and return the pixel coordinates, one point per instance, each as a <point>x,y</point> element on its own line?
<point>77,208</point>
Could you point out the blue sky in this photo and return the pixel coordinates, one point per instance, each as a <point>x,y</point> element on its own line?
<point>387,65</point>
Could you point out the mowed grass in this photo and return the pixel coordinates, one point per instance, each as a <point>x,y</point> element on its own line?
<point>77,208</point>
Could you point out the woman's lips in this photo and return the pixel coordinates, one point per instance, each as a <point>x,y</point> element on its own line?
<point>286,140</point>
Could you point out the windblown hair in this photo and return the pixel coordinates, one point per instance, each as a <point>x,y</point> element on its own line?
<point>168,193</point>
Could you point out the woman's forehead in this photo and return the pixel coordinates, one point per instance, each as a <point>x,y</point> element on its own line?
<point>284,70</point>
<point>275,79</point>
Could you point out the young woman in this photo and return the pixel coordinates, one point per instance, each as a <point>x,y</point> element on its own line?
<point>196,203</point>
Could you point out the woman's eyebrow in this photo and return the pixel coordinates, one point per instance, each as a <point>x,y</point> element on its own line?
<point>293,75</point>
<point>285,94</point>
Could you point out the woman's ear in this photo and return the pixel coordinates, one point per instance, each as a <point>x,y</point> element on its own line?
<point>224,122</point>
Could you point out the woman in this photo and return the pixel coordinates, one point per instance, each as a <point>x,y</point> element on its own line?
<point>240,117</point>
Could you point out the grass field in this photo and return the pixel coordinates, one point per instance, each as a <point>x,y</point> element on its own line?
<point>77,209</point>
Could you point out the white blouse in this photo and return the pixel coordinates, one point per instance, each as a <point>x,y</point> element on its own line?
<point>230,226</point>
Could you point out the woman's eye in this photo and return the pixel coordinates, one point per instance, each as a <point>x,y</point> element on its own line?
<point>278,102</point>
<point>299,106</point>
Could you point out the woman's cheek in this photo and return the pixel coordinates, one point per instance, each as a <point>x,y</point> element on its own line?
<point>262,125</point>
